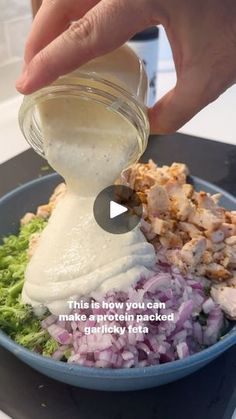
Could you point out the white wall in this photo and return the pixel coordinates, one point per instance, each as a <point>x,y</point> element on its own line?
<point>15,21</point>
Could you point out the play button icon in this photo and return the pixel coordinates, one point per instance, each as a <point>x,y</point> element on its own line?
<point>117,209</point>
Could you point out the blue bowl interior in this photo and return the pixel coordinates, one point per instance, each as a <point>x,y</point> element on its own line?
<point>26,198</point>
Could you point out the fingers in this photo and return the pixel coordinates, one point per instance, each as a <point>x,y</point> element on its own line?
<point>191,94</point>
<point>105,27</point>
<point>53,18</point>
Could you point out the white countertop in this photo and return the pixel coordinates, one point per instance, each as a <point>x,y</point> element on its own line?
<point>3,415</point>
<point>216,122</point>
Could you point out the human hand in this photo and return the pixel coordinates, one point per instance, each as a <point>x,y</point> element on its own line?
<point>202,35</point>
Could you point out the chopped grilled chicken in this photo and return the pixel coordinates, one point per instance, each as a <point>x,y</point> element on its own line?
<point>207,257</point>
<point>230,253</point>
<point>216,198</point>
<point>205,200</point>
<point>171,240</point>
<point>44,211</point>
<point>33,242</point>
<point>181,205</point>
<point>188,190</point>
<point>231,217</point>
<point>185,220</point>
<point>58,193</point>
<point>231,241</point>
<point>192,252</point>
<point>225,296</point>
<point>216,236</point>
<point>217,272</point>
<point>232,281</point>
<point>189,228</point>
<point>217,247</point>
<point>158,200</point>
<point>27,218</point>
<point>147,227</point>
<point>205,218</point>
<point>160,226</point>
<point>228,229</point>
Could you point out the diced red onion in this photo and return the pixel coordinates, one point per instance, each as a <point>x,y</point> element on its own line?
<point>165,341</point>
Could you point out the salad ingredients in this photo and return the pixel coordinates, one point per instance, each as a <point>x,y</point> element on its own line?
<point>198,323</point>
<point>188,246</point>
<point>198,320</point>
<point>198,234</point>
<point>17,319</point>
<point>196,301</point>
<point>224,294</point>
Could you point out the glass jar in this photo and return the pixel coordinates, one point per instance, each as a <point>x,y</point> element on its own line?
<point>116,81</point>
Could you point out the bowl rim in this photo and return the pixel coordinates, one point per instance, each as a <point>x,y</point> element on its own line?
<point>225,342</point>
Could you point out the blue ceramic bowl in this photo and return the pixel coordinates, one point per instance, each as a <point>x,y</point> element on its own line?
<point>27,198</point>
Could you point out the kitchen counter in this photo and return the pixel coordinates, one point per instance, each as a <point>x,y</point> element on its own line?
<point>208,394</point>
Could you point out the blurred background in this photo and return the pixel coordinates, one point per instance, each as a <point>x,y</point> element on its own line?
<point>216,122</point>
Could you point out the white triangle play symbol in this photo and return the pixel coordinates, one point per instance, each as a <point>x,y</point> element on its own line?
<point>116,209</point>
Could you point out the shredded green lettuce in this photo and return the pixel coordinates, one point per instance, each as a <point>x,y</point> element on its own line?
<point>16,319</point>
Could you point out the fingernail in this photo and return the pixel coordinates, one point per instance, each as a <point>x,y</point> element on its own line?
<point>22,79</point>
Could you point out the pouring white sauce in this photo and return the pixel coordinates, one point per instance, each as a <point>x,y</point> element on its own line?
<point>75,257</point>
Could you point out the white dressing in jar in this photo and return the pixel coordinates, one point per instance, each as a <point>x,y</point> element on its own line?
<point>89,144</point>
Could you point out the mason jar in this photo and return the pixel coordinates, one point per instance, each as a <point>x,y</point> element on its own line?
<point>115,83</point>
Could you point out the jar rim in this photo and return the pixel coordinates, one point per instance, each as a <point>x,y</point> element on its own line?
<point>87,86</point>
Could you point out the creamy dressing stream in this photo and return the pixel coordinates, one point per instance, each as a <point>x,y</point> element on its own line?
<point>74,256</point>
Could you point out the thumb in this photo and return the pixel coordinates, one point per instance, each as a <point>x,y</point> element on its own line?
<point>191,94</point>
